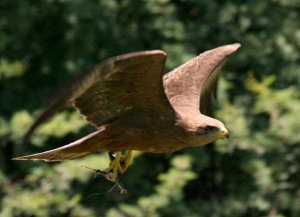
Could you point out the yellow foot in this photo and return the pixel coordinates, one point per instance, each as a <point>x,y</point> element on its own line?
<point>119,163</point>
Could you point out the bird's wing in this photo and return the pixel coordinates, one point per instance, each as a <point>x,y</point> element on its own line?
<point>190,86</point>
<point>79,148</point>
<point>119,85</point>
<point>132,83</point>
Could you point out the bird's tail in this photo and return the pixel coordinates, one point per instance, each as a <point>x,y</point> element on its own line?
<point>93,142</point>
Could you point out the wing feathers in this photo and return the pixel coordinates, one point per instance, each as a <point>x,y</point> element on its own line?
<point>112,88</point>
<point>186,84</point>
<point>134,83</point>
<point>86,145</point>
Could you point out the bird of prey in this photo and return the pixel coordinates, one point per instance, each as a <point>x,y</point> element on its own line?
<point>135,106</point>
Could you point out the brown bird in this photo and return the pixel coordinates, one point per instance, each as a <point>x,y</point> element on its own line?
<point>135,107</point>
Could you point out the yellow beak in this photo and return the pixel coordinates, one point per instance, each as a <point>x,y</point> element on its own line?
<point>224,133</point>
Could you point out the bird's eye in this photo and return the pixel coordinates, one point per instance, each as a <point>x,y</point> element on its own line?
<point>206,130</point>
<point>210,128</point>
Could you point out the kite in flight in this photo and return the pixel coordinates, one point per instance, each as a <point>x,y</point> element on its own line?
<point>134,106</point>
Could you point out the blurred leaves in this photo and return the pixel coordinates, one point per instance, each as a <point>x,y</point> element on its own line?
<point>168,191</point>
<point>10,69</point>
<point>60,125</point>
<point>50,186</point>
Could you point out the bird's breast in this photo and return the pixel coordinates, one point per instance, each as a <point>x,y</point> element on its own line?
<point>155,140</point>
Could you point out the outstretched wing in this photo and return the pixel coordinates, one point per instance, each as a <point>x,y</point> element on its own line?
<point>133,83</point>
<point>190,86</point>
<point>130,82</point>
<point>79,148</point>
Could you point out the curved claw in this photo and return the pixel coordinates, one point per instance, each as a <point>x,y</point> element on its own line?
<point>108,176</point>
<point>119,163</point>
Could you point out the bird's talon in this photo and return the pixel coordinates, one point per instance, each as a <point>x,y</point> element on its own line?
<point>119,163</point>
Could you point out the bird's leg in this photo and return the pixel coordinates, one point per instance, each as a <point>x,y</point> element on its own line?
<point>119,163</point>
<point>125,161</point>
<point>108,176</point>
<point>114,163</point>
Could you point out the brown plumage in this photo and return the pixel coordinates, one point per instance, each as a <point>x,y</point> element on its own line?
<point>135,107</point>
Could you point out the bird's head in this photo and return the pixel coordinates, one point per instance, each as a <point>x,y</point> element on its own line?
<point>211,127</point>
<point>215,132</point>
<point>206,130</point>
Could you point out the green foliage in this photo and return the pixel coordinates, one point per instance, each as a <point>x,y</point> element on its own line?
<point>167,194</point>
<point>254,173</point>
<point>46,190</point>
<point>8,69</point>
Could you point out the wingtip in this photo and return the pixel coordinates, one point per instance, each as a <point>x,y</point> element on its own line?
<point>226,50</point>
<point>157,52</point>
<point>230,48</point>
<point>27,157</point>
<point>235,46</point>
<point>19,158</point>
<point>33,159</point>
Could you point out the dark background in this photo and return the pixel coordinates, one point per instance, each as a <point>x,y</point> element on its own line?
<point>255,173</point>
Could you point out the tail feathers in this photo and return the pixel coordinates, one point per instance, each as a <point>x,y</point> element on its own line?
<point>86,145</point>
